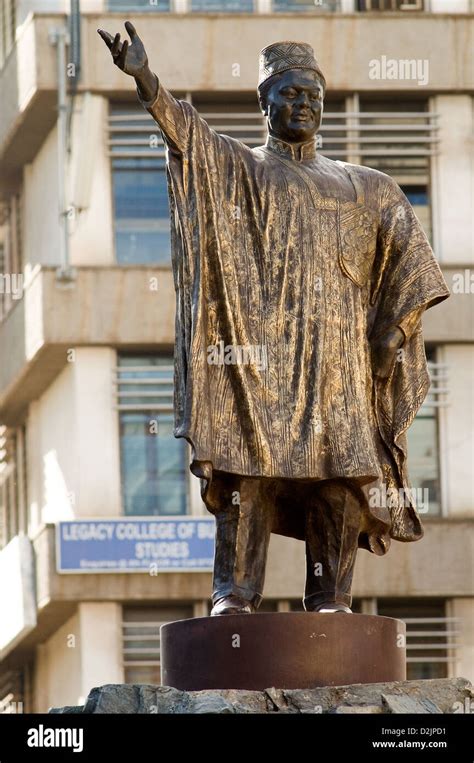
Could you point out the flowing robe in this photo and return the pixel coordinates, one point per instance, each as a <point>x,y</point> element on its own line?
<point>287,266</point>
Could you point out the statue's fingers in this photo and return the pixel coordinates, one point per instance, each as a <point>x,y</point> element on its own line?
<point>107,38</point>
<point>131,30</point>
<point>116,47</point>
<point>120,61</point>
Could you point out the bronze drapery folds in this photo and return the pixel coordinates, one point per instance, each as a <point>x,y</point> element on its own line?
<point>306,260</point>
<point>299,358</point>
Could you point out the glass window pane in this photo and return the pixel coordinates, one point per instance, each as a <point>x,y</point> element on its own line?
<point>229,6</point>
<point>141,216</point>
<point>423,463</point>
<point>419,199</point>
<point>138,5</point>
<point>286,6</point>
<point>153,465</point>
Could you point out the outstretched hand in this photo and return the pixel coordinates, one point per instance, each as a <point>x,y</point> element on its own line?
<point>130,58</point>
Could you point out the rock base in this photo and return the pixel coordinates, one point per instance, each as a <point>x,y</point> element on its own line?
<point>446,695</point>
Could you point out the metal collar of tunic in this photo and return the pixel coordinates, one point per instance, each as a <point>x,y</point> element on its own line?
<point>297,151</point>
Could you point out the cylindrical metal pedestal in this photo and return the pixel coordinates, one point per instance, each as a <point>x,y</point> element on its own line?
<point>287,650</point>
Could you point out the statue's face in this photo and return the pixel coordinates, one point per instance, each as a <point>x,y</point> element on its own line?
<point>294,105</point>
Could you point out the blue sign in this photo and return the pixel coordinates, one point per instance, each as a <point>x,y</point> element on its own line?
<point>161,544</point>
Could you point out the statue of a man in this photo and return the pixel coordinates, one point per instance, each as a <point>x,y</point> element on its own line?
<point>299,356</point>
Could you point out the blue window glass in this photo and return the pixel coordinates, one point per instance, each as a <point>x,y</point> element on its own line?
<point>154,464</point>
<point>139,185</point>
<point>286,6</point>
<point>138,5</point>
<point>141,215</point>
<point>416,195</point>
<point>229,6</point>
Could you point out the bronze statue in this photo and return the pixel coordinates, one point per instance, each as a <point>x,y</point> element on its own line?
<point>299,356</point>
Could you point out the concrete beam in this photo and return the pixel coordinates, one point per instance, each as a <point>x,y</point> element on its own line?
<point>198,53</point>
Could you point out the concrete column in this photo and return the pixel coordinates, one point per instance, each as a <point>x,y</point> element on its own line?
<point>78,442</point>
<point>449,6</point>
<point>100,643</point>
<point>201,608</point>
<point>463,609</point>
<point>97,491</point>
<point>368,606</point>
<point>181,6</point>
<point>456,428</point>
<point>90,184</point>
<point>34,475</point>
<point>453,186</point>
<point>40,680</point>
<point>58,669</point>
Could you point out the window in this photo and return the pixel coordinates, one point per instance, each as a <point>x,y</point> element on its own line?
<point>229,6</point>
<point>431,636</point>
<point>398,140</point>
<point>422,437</point>
<point>13,691</point>
<point>418,197</point>
<point>12,484</point>
<point>286,6</point>
<point>7,28</point>
<point>140,6</point>
<point>391,5</point>
<point>396,137</point>
<point>140,192</point>
<point>141,640</point>
<point>11,278</point>
<point>154,464</point>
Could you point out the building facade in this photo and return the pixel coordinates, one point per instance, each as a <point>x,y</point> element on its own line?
<point>87,314</point>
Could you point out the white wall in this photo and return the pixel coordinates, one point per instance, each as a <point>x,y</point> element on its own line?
<point>74,448</point>
<point>85,652</point>
<point>449,6</point>
<point>100,637</point>
<point>96,436</point>
<point>41,210</point>
<point>463,609</point>
<point>453,180</point>
<point>57,675</point>
<point>91,241</point>
<point>457,427</point>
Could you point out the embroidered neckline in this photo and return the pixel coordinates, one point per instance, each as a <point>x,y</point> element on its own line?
<point>297,151</point>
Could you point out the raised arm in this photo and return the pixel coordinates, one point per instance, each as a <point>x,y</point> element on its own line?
<point>132,59</point>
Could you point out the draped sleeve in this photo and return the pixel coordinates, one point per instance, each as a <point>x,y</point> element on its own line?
<point>406,280</point>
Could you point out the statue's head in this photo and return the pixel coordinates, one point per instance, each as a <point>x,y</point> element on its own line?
<point>291,91</point>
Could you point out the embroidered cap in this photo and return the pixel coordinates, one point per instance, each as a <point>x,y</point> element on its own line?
<point>282,56</point>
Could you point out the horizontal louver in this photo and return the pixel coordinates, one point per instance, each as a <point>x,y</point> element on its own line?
<point>432,639</point>
<point>398,143</point>
<point>144,388</point>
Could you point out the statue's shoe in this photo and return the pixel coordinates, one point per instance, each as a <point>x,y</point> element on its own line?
<point>328,607</point>
<point>232,605</point>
